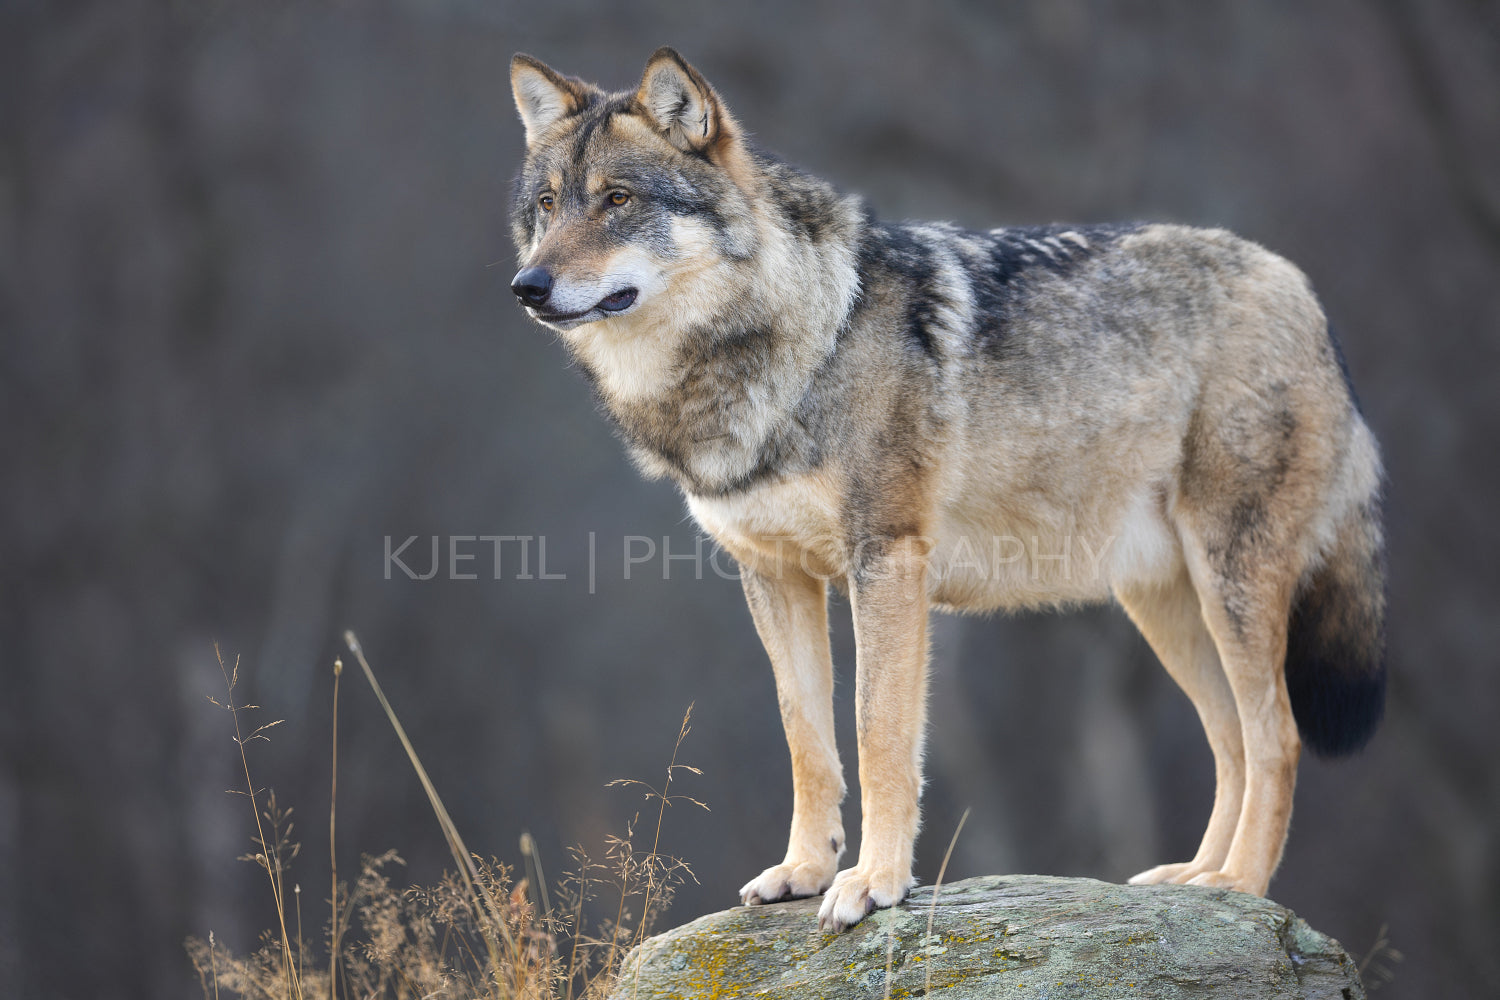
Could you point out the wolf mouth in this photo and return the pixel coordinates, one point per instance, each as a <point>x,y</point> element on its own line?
<point>614,302</point>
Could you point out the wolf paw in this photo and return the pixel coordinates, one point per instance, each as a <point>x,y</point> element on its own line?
<point>1228,880</point>
<point>1179,872</point>
<point>856,893</point>
<point>788,881</point>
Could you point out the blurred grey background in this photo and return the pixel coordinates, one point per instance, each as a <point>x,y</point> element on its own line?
<point>253,294</point>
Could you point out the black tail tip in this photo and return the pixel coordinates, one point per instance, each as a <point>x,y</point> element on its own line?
<point>1335,654</point>
<point>1337,710</point>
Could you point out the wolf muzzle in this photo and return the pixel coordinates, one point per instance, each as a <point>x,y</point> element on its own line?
<point>534,287</point>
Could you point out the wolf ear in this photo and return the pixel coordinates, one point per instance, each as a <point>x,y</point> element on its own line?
<point>681,103</point>
<point>543,95</point>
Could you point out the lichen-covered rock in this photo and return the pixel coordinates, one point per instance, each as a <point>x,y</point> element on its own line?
<point>1014,936</point>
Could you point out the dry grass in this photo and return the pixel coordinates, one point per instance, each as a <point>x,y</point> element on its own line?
<point>481,932</point>
<point>1375,969</point>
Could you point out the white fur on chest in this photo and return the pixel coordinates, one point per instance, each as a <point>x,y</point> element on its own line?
<point>795,519</point>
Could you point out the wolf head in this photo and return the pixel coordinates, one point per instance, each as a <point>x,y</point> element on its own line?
<point>698,283</point>
<point>625,197</point>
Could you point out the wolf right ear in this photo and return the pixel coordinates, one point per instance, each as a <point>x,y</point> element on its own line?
<point>543,95</point>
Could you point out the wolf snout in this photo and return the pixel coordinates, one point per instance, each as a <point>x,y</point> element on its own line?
<point>533,285</point>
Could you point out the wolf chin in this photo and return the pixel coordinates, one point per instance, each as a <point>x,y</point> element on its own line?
<point>929,417</point>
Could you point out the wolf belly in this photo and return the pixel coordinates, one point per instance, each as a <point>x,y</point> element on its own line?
<point>1011,560</point>
<point>980,556</point>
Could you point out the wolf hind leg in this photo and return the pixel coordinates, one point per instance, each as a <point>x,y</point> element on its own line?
<point>1171,620</point>
<point>1246,599</point>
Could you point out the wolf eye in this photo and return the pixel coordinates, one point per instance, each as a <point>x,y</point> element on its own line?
<point>618,198</point>
<point>547,202</point>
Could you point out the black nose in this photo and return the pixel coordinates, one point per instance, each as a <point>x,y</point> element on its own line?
<point>533,285</point>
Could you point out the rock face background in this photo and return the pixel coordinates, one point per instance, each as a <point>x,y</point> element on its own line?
<point>1016,936</point>
<point>254,318</point>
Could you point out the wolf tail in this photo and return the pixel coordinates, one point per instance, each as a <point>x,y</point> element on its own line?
<point>1335,658</point>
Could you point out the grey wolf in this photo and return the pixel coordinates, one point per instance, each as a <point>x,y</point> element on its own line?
<point>1156,413</point>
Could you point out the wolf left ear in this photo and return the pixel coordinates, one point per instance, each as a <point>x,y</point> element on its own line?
<point>681,103</point>
<point>543,95</point>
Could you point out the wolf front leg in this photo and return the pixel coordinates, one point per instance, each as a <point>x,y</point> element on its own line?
<point>791,615</point>
<point>889,598</point>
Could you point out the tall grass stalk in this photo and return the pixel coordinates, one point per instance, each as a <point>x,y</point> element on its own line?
<point>476,886</point>
<point>937,887</point>
<point>231,678</point>
<point>335,928</point>
<point>657,874</point>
